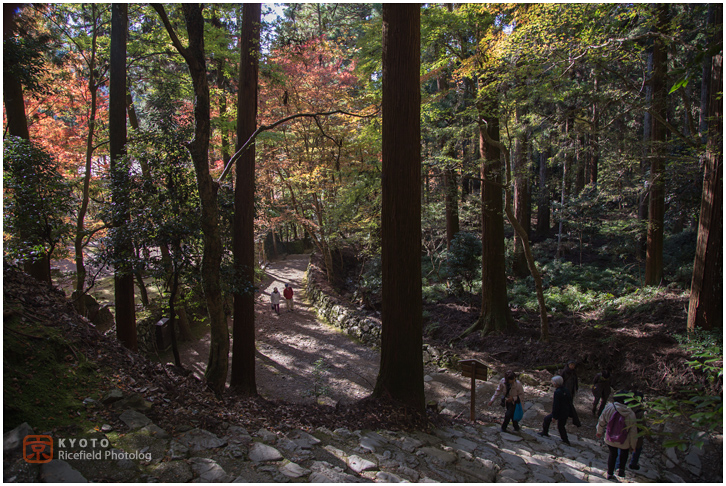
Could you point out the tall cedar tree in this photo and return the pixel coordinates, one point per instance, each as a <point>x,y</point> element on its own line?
<point>401,373</point>
<point>123,277</point>
<point>17,123</point>
<point>656,206</point>
<point>243,345</point>
<point>495,313</point>
<point>705,310</point>
<point>217,366</point>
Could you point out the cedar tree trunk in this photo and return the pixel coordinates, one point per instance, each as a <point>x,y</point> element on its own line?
<point>243,344</point>
<point>401,372</point>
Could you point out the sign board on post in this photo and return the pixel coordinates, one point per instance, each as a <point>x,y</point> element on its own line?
<point>476,370</point>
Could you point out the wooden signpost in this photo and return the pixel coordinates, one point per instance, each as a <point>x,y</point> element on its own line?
<point>473,369</point>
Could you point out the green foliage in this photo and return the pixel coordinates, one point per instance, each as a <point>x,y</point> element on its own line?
<point>37,202</point>
<point>463,264</point>
<point>576,288</point>
<point>23,57</point>
<point>702,406</point>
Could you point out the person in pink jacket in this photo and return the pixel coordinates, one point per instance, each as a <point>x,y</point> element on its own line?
<point>512,392</point>
<point>629,436</point>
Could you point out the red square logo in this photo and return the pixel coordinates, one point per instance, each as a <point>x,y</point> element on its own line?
<point>38,449</point>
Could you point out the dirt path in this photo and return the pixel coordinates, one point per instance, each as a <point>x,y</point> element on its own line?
<point>290,344</point>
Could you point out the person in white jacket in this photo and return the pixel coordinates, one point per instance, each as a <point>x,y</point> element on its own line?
<point>617,448</point>
<point>512,392</point>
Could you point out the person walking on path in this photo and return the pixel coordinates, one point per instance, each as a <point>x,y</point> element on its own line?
<point>561,404</point>
<point>600,391</point>
<point>619,424</point>
<point>287,293</point>
<point>275,300</point>
<point>569,375</point>
<point>512,392</point>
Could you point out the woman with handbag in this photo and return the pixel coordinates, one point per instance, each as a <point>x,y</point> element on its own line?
<point>512,393</point>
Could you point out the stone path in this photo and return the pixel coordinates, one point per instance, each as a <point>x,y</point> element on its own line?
<point>459,453</point>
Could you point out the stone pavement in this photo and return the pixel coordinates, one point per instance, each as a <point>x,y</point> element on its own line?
<point>142,451</point>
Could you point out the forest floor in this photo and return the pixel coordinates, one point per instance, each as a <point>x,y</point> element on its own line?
<point>295,391</point>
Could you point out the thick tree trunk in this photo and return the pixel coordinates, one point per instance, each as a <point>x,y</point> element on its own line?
<point>243,344</point>
<point>17,125</point>
<point>656,206</point>
<point>123,276</point>
<point>401,373</point>
<point>496,316</point>
<point>705,310</point>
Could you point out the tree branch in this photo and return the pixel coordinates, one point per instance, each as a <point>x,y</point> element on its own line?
<point>263,128</point>
<point>172,34</point>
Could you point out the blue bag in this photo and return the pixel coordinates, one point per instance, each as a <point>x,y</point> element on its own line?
<point>518,412</point>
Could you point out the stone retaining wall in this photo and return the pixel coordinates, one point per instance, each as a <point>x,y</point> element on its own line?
<point>359,325</point>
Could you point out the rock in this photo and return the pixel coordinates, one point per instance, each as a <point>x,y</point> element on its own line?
<point>358,464</point>
<point>178,450</point>
<point>13,440</point>
<point>208,470</point>
<point>113,396</point>
<point>513,459</point>
<point>134,419</point>
<point>59,471</point>
<point>510,437</point>
<point>514,474</point>
<point>324,472</point>
<point>260,452</point>
<point>238,434</point>
<point>154,430</point>
<point>267,436</point>
<point>106,428</point>
<point>409,444</point>
<point>343,433</point>
<point>133,402</point>
<point>234,451</point>
<point>294,471</point>
<point>303,439</point>
<point>464,444</point>
<point>372,442</point>
<point>386,477</point>
<point>438,455</point>
<point>200,439</point>
<point>409,473</point>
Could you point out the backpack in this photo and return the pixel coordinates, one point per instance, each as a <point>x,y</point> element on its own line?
<point>617,429</point>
